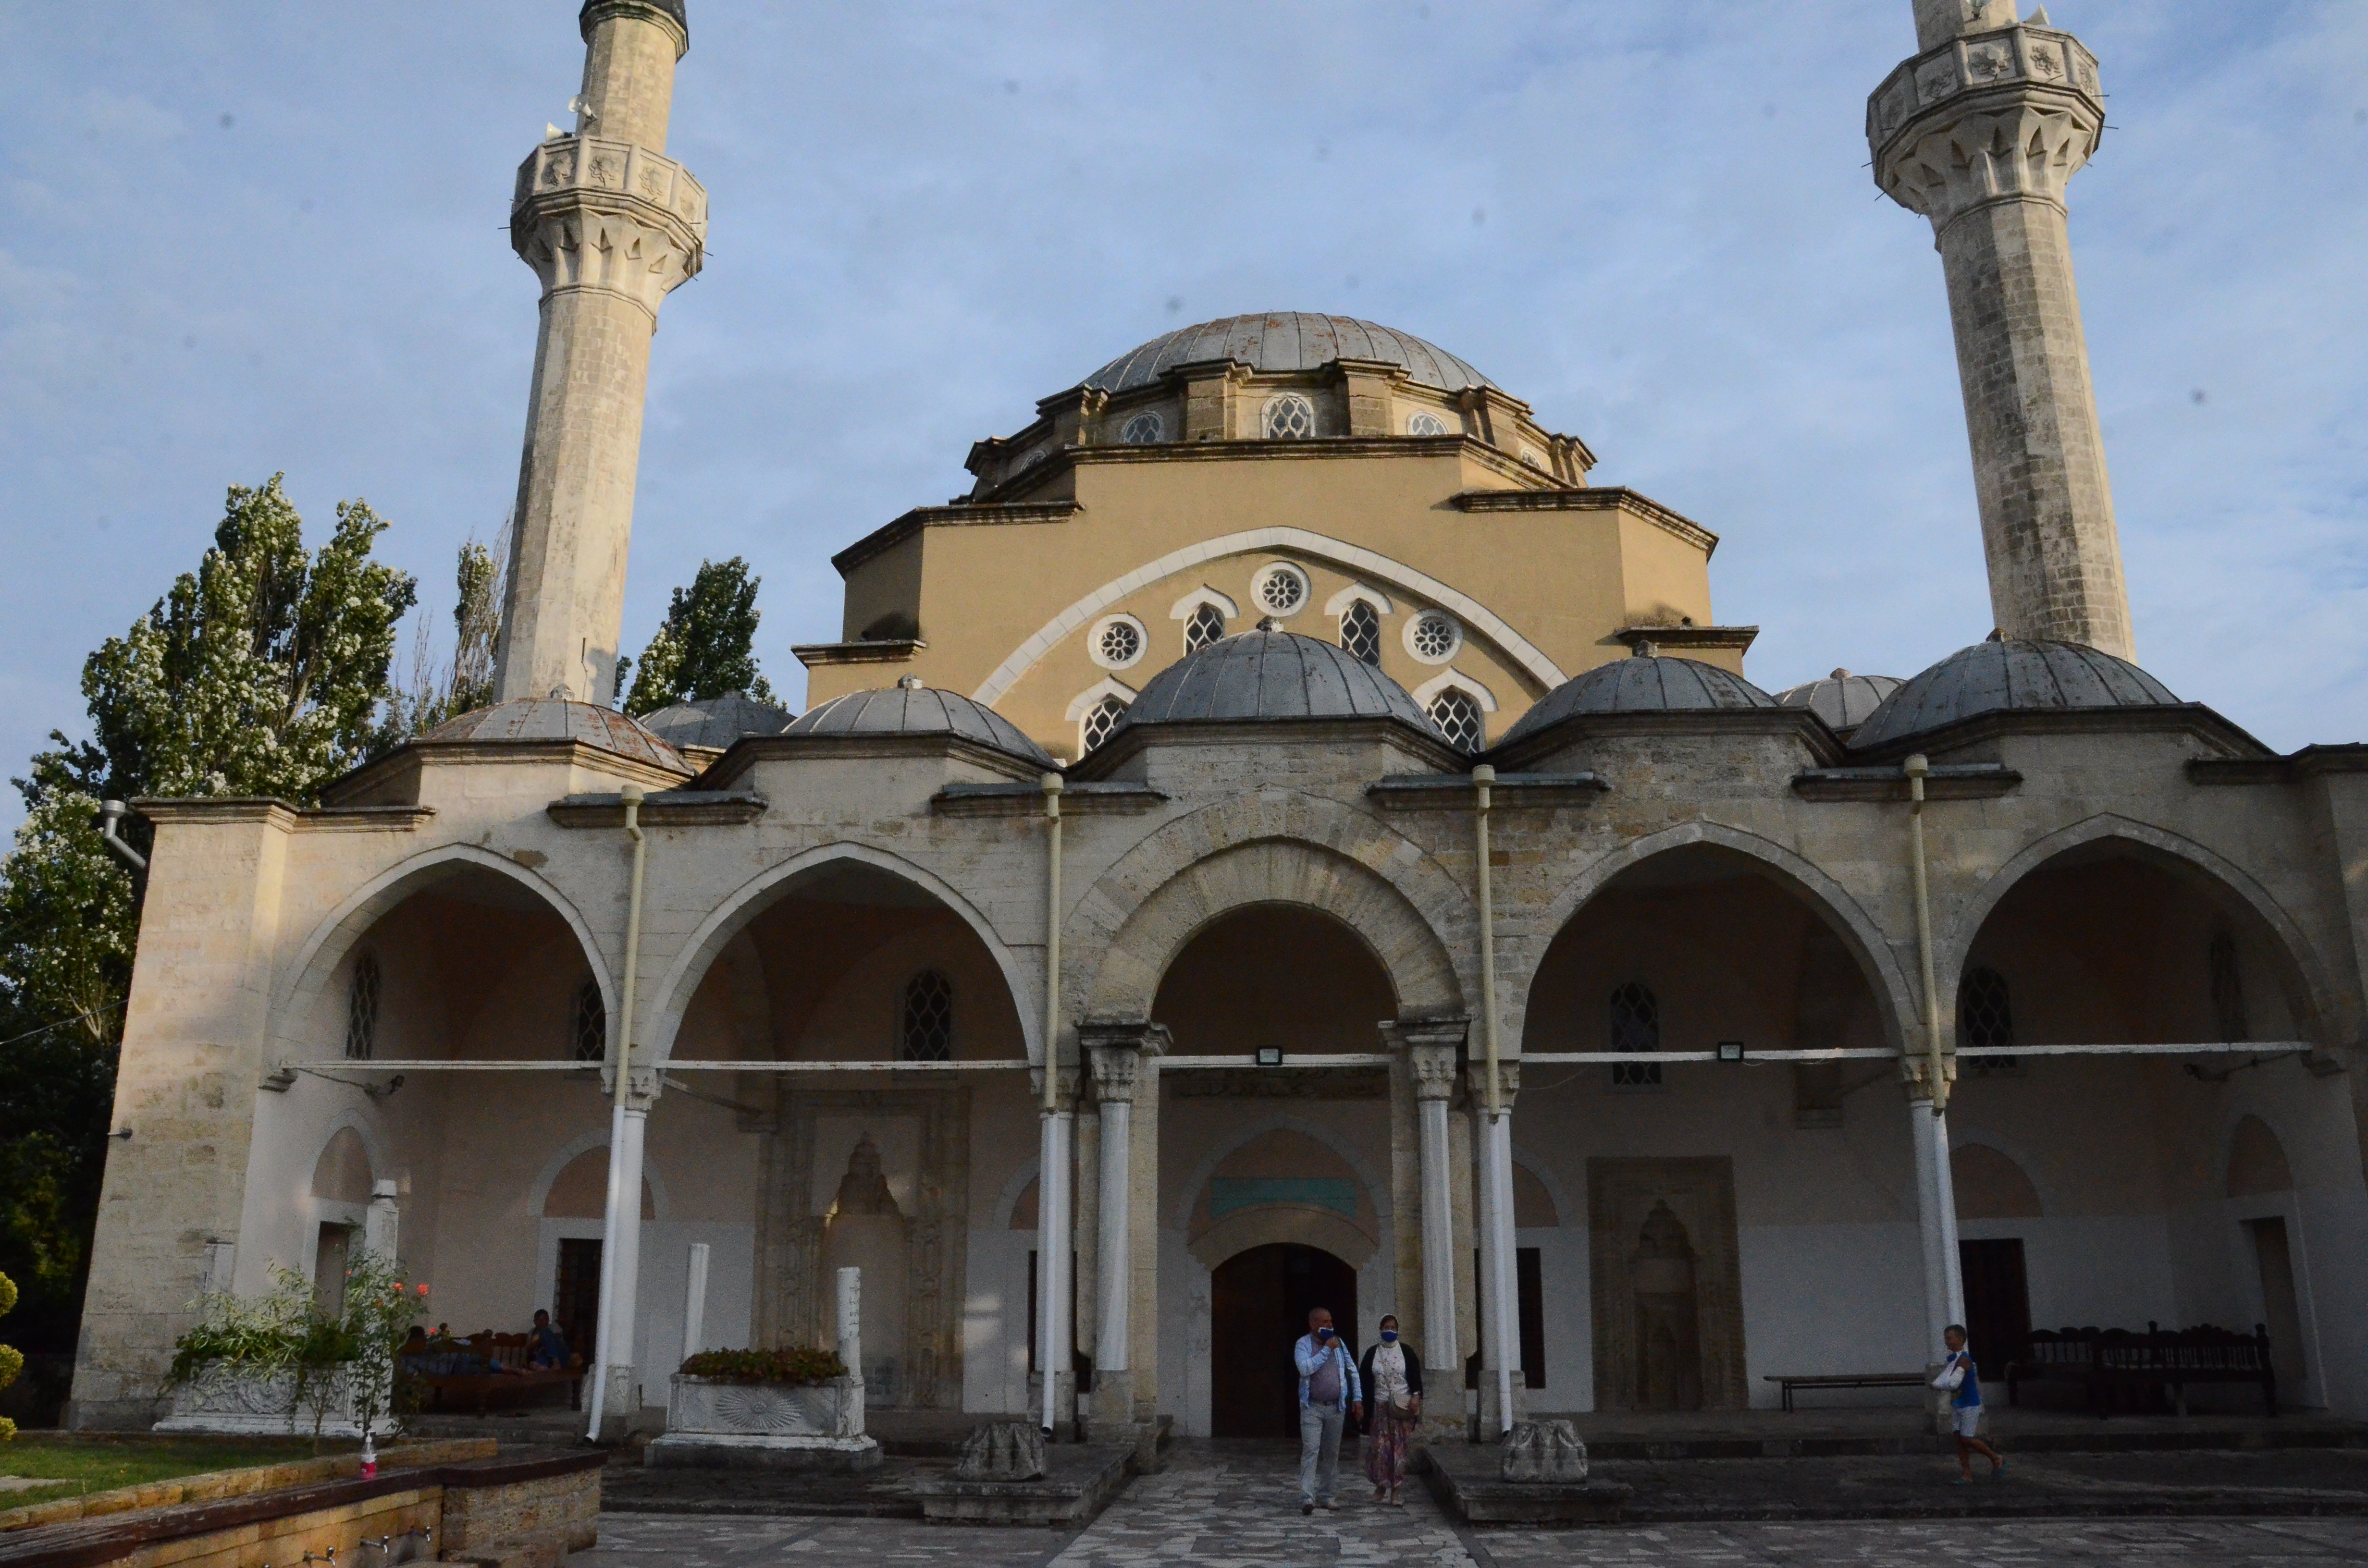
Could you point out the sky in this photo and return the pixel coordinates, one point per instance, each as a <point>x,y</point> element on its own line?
<point>245,237</point>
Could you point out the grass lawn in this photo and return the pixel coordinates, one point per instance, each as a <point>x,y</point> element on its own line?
<point>85,1464</point>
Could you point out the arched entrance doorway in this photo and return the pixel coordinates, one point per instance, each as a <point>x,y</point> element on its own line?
<point>1259,1302</point>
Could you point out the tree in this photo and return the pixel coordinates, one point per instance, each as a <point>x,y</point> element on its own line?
<point>703,649</point>
<point>439,693</point>
<point>261,673</point>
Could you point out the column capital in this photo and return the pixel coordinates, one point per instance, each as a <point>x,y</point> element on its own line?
<point>641,1085</point>
<point>1916,1076</point>
<point>1116,1052</point>
<point>1067,1078</point>
<point>2003,115</point>
<point>1508,1081</point>
<point>1432,1068</point>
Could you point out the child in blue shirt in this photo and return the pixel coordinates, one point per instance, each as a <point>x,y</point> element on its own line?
<point>1966,1404</point>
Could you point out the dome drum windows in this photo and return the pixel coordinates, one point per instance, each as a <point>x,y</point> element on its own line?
<point>1433,637</point>
<point>1206,626</point>
<point>1457,718</point>
<point>926,1025</point>
<point>1116,641</point>
<point>1148,428</point>
<point>1425,423</point>
<point>1287,416</point>
<point>1281,589</point>
<point>1101,719</point>
<point>1361,633</point>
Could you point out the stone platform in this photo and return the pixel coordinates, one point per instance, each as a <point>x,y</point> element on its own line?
<point>1464,1477</point>
<point>1876,1431</point>
<point>1078,1479</point>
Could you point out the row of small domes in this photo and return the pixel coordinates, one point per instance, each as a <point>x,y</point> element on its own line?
<point>1270,675</point>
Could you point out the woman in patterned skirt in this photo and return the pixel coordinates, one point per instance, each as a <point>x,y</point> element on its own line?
<point>1393,1381</point>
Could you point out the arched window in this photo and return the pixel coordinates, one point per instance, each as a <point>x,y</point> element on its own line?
<point>1458,717</point>
<point>1426,424</point>
<point>1986,1018</point>
<point>927,1031</point>
<point>361,1010</point>
<point>1207,626</point>
<point>1100,720</point>
<point>591,1023</point>
<point>1289,417</point>
<point>1632,1022</point>
<point>2227,989</point>
<point>1145,429</point>
<point>1361,633</point>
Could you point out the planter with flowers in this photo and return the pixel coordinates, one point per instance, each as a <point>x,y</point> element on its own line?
<point>789,1409</point>
<point>278,1364</point>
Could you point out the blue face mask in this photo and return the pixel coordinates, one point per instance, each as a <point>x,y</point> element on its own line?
<point>1324,1332</point>
<point>1389,1336</point>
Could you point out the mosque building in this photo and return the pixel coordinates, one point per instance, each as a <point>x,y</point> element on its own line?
<point>1284,836</point>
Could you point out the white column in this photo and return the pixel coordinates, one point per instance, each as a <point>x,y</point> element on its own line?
<point>1054,1336</point>
<point>1433,1069</point>
<point>850,1344</point>
<point>694,1303</point>
<point>382,1221</point>
<point>1936,1221</point>
<point>1501,1354</point>
<point>618,1395</point>
<point>1114,1074</point>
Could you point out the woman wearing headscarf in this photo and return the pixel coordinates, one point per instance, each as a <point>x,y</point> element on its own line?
<point>1392,1376</point>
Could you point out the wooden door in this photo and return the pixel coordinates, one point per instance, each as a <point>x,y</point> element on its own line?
<point>1259,1302</point>
<point>1998,1303</point>
<point>576,1296</point>
<point>2280,1309</point>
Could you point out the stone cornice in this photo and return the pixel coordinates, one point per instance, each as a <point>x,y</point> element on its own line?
<point>285,815</point>
<point>1084,798</point>
<point>984,514</point>
<point>2186,718</point>
<point>1707,724</point>
<point>1263,449</point>
<point>2310,762</point>
<point>1455,791</point>
<point>750,750</point>
<point>1132,739</point>
<point>860,650</point>
<point>1946,781</point>
<point>1592,498</point>
<point>1738,638</point>
<point>667,808</point>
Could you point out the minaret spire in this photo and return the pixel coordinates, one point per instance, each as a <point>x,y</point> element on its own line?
<point>609,224</point>
<point>1980,133</point>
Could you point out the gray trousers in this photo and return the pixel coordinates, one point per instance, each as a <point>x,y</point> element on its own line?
<point>1319,1452</point>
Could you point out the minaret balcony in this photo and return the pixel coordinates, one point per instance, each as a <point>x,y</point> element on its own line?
<point>2014,112</point>
<point>594,213</point>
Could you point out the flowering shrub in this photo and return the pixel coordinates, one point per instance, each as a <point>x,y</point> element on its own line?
<point>284,1331</point>
<point>793,1364</point>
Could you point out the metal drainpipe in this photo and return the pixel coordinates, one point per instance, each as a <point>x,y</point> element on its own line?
<point>632,799</point>
<point>110,818</point>
<point>1052,1176</point>
<point>1916,767</point>
<point>1500,1275</point>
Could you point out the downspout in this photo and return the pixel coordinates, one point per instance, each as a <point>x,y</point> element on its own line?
<point>1498,1150</point>
<point>633,799</point>
<point>110,817</point>
<point>1916,767</point>
<point>1053,1173</point>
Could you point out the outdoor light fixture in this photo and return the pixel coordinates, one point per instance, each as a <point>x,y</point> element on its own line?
<point>1730,1051</point>
<point>1270,1056</point>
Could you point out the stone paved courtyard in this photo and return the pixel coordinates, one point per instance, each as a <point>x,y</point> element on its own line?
<point>1238,1506</point>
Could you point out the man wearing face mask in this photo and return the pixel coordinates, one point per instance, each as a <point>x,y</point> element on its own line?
<point>1393,1373</point>
<point>1328,1390</point>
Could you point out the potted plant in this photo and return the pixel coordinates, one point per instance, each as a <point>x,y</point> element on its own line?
<point>277,1364</point>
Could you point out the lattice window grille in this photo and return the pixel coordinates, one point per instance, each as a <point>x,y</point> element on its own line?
<point>1289,417</point>
<point>361,1010</point>
<point>1207,625</point>
<point>1457,718</point>
<point>1145,429</point>
<point>2227,989</point>
<point>1986,1018</point>
<point>1435,636</point>
<point>591,1023</point>
<point>1281,589</point>
<point>1632,1022</point>
<point>929,1025</point>
<point>1426,424</point>
<point>1120,643</point>
<point>1361,633</point>
<point>1101,721</point>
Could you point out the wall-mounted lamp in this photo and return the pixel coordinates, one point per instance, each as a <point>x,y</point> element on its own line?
<point>1270,1056</point>
<point>122,1132</point>
<point>1730,1051</point>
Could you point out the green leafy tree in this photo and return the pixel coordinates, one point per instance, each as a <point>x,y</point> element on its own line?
<point>12,1360</point>
<point>439,692</point>
<point>704,648</point>
<point>261,673</point>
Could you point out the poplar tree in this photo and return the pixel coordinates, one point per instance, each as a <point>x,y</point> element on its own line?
<point>705,646</point>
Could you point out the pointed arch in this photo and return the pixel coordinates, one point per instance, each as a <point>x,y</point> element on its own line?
<point>567,1153</point>
<point>670,998</point>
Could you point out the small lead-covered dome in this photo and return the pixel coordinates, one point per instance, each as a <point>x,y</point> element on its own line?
<point>1997,677</point>
<point>1268,675</point>
<point>1645,683</point>
<point>1842,700</point>
<point>1279,342</point>
<point>716,722</point>
<point>908,707</point>
<point>559,719</point>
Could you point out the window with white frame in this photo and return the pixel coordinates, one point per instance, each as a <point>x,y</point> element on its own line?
<point>927,1028</point>
<point>591,1023</point>
<point>1434,636</point>
<point>1633,1020</point>
<point>1116,641</point>
<point>1536,459</point>
<point>1426,423</point>
<point>1100,720</point>
<point>1145,429</point>
<point>1361,633</point>
<point>1288,418</point>
<point>361,1010</point>
<point>1207,625</point>
<point>1281,589</point>
<point>1457,716</point>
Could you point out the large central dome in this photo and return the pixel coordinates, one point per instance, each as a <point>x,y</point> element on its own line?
<point>1287,340</point>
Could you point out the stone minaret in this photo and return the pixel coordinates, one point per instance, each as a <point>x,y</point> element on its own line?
<point>609,224</point>
<point>1980,133</point>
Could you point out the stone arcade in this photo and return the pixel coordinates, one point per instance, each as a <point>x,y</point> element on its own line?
<point>1430,919</point>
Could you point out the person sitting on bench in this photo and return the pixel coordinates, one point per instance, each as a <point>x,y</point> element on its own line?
<point>546,1347</point>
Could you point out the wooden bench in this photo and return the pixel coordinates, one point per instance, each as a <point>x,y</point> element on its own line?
<point>1845,1381</point>
<point>2114,1364</point>
<point>496,1366</point>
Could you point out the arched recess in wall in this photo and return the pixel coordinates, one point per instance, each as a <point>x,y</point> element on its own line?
<point>1290,1180</point>
<point>2257,1160</point>
<point>578,1169</point>
<point>1990,1184</point>
<point>855,876</point>
<point>1270,847</point>
<point>519,909</point>
<point>343,1173</point>
<point>1354,560</point>
<point>2112,932</point>
<point>1733,937</point>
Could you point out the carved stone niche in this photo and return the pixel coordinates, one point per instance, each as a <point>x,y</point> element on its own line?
<point>1667,1291</point>
<point>915,1141</point>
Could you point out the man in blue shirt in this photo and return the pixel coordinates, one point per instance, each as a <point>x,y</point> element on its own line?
<point>1966,1407</point>
<point>1328,1390</point>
